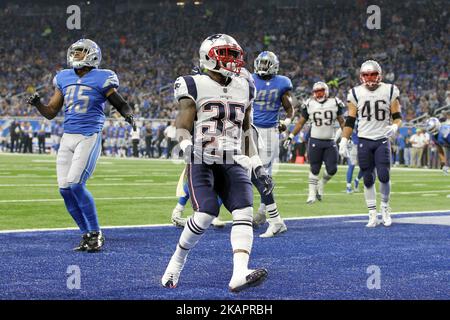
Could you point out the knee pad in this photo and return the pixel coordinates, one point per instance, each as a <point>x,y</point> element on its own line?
<point>369,179</point>
<point>201,220</point>
<point>315,168</point>
<point>242,230</point>
<point>383,175</point>
<point>243,216</point>
<point>331,171</point>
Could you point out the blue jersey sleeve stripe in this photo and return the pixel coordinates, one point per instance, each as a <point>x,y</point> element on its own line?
<point>191,86</point>
<point>354,95</point>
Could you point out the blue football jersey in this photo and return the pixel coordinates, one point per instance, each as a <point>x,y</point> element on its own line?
<point>84,98</point>
<point>267,102</point>
<point>443,137</point>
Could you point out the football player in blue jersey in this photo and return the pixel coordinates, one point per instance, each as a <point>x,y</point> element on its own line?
<point>82,90</point>
<point>273,93</point>
<point>440,134</point>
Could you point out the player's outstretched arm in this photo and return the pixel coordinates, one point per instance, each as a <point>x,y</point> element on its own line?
<point>54,106</point>
<point>118,102</point>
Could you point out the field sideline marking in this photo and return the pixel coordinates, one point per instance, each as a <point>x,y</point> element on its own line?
<point>227,221</point>
<point>174,197</point>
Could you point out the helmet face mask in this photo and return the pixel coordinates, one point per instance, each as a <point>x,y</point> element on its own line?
<point>266,64</point>
<point>433,126</point>
<point>370,74</point>
<point>320,91</point>
<point>222,54</point>
<point>84,53</point>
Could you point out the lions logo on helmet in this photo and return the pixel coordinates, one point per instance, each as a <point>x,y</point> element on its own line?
<point>84,53</point>
<point>370,74</point>
<point>266,64</point>
<point>221,53</point>
<point>433,126</point>
<point>320,91</point>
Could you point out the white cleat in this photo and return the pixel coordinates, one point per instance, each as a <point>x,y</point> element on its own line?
<point>311,199</point>
<point>177,220</point>
<point>259,218</point>
<point>217,223</point>
<point>386,216</point>
<point>373,220</point>
<point>274,229</point>
<point>172,274</point>
<point>252,279</point>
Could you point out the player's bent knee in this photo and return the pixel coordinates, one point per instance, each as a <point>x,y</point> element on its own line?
<point>245,214</point>
<point>383,175</point>
<point>369,180</point>
<point>332,170</point>
<point>315,169</point>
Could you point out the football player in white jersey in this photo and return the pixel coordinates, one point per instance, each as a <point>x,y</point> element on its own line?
<point>215,107</point>
<point>323,111</point>
<point>374,103</point>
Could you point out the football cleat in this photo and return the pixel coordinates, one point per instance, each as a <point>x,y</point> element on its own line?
<point>253,279</point>
<point>311,199</point>
<point>172,274</point>
<point>356,185</point>
<point>83,243</point>
<point>177,220</point>
<point>95,242</point>
<point>319,192</point>
<point>349,190</point>
<point>274,229</point>
<point>373,220</point>
<point>386,216</point>
<point>217,223</point>
<point>259,218</point>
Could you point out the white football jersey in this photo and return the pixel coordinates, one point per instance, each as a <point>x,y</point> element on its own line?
<point>323,116</point>
<point>374,109</point>
<point>220,112</point>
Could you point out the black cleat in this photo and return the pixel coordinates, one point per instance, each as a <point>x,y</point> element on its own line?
<point>252,280</point>
<point>95,242</point>
<point>83,244</point>
<point>318,197</point>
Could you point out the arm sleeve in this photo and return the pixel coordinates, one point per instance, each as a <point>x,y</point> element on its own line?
<point>110,81</point>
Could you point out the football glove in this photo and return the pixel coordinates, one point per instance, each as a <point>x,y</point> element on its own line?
<point>391,131</point>
<point>282,127</point>
<point>343,148</point>
<point>187,148</point>
<point>130,119</point>
<point>34,99</point>
<point>265,181</point>
<point>288,141</point>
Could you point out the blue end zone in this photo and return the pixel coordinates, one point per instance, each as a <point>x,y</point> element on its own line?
<point>320,259</point>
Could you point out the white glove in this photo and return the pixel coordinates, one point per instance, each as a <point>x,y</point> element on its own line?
<point>288,141</point>
<point>343,148</point>
<point>391,131</point>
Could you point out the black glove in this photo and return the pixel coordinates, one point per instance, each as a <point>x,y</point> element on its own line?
<point>282,127</point>
<point>34,99</point>
<point>130,119</point>
<point>266,184</point>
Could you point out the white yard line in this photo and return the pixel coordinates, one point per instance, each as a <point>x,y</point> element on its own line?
<point>228,221</point>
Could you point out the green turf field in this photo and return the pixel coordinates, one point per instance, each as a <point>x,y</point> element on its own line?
<point>136,192</point>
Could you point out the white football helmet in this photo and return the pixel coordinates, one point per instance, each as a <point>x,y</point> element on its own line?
<point>221,53</point>
<point>320,91</point>
<point>92,55</point>
<point>433,126</point>
<point>370,74</point>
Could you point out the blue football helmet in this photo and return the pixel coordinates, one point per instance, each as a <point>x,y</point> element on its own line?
<point>433,126</point>
<point>266,64</point>
<point>92,54</point>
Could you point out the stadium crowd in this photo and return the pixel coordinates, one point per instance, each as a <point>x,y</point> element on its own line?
<point>149,44</point>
